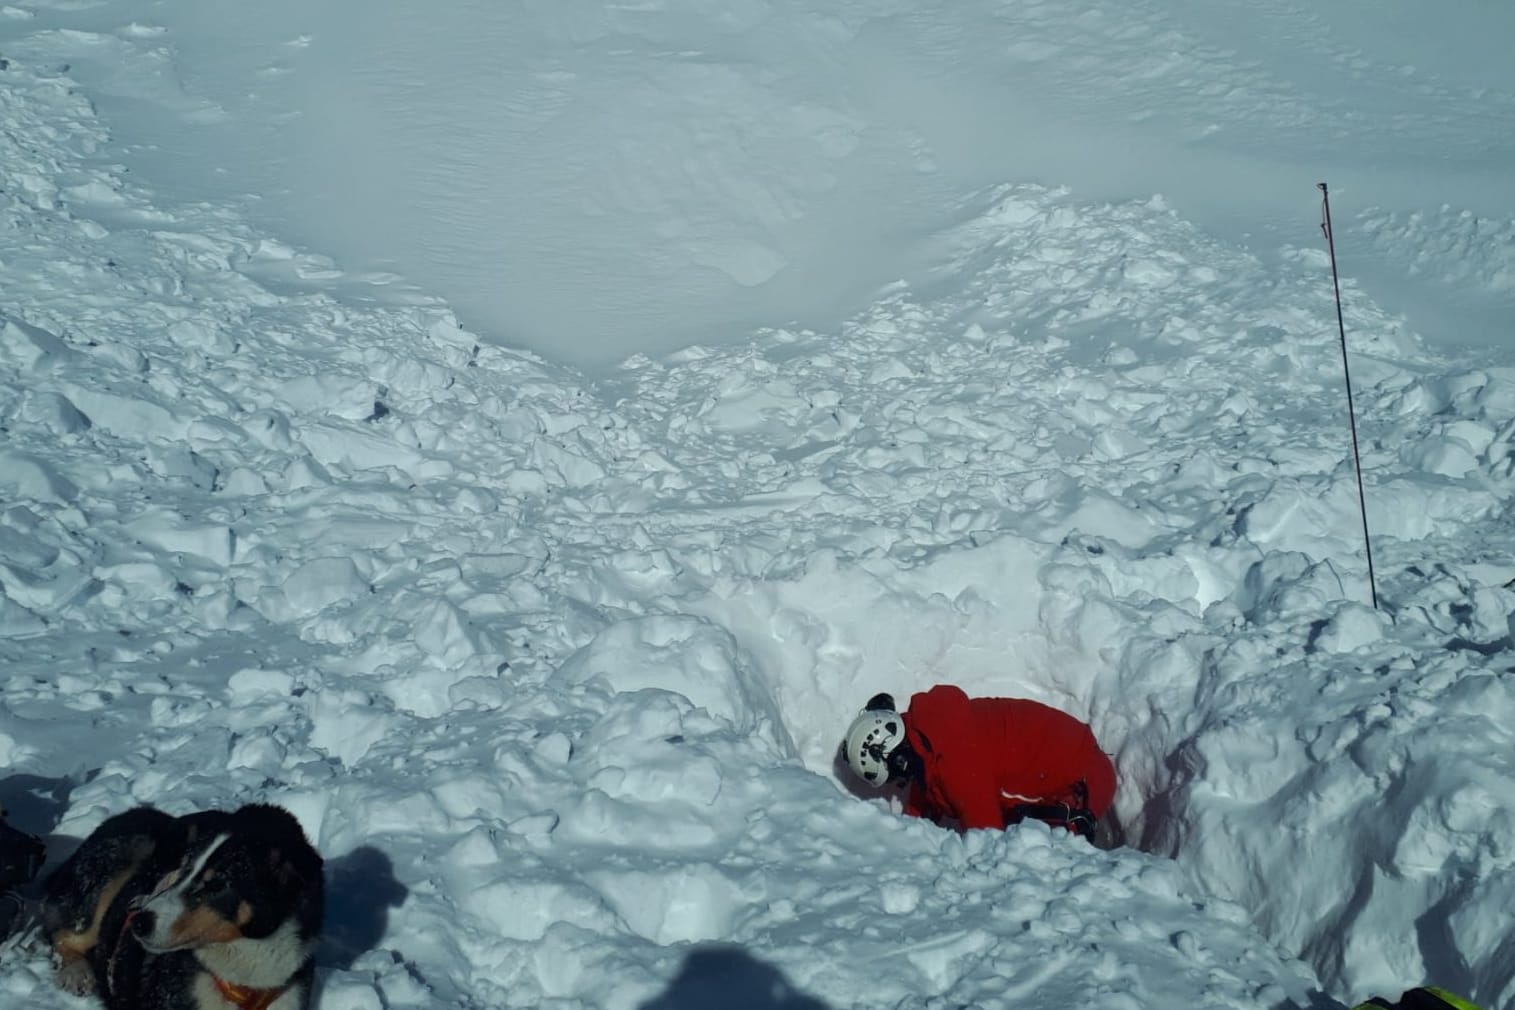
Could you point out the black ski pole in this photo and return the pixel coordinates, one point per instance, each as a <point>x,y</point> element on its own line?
<point>1346,371</point>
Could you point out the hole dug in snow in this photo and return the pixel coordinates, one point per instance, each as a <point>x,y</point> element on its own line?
<point>1343,805</point>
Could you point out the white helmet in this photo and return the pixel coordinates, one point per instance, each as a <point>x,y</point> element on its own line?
<point>873,736</point>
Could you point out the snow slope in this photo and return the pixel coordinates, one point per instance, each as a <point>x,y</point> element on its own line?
<point>552,669</point>
<point>589,180</point>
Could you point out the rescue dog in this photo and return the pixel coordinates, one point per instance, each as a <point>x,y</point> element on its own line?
<point>215,910</point>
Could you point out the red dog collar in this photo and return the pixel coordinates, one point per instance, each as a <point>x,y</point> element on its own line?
<point>245,997</point>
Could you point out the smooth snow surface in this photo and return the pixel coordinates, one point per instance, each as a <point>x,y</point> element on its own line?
<point>552,665</point>
<point>587,180</point>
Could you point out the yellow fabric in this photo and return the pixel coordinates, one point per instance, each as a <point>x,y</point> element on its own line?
<point>1452,1001</point>
<point>1456,1002</point>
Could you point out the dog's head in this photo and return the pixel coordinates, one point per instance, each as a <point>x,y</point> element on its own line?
<point>244,875</point>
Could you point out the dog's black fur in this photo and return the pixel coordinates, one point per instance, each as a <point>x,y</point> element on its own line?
<point>209,911</point>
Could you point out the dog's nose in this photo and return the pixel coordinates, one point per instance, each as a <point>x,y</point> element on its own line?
<point>142,923</point>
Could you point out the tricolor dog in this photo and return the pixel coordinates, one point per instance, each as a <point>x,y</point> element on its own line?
<point>211,911</point>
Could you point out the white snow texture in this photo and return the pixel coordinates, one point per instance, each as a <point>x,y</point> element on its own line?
<point>863,357</point>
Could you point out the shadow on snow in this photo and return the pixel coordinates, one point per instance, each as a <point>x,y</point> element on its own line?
<point>726,976</point>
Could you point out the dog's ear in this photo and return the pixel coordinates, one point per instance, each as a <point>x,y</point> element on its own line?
<point>881,702</point>
<point>284,871</point>
<point>288,872</point>
<point>200,825</point>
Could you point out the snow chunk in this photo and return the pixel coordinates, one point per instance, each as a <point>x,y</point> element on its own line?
<point>525,909</point>
<point>30,348</point>
<point>128,415</point>
<point>343,395</point>
<point>253,682</point>
<point>1287,584</point>
<point>686,905</point>
<point>24,477</point>
<point>1350,628</point>
<point>352,993</point>
<point>1447,456</point>
<point>164,531</point>
<point>347,723</point>
<point>686,656</point>
<point>318,584</point>
<point>54,412</point>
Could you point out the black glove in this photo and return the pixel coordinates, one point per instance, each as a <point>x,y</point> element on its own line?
<point>881,702</point>
<point>1059,815</point>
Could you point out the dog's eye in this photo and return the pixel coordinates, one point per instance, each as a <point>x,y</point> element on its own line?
<point>211,885</point>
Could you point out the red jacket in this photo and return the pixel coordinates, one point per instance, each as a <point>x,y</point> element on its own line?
<point>983,756</point>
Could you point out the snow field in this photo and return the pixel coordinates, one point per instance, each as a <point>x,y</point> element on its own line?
<point>706,170</point>
<point>553,672</point>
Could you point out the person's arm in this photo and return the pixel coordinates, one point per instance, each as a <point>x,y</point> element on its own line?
<point>971,803</point>
<point>971,791</point>
<point>964,775</point>
<point>1093,787</point>
<point>1073,770</point>
<point>981,809</point>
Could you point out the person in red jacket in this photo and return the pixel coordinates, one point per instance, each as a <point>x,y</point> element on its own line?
<point>985,762</point>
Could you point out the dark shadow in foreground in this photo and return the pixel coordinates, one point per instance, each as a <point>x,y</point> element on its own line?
<point>30,807</point>
<point>724,977</point>
<point>360,890</point>
<point>33,803</point>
